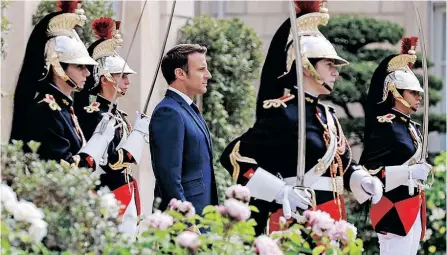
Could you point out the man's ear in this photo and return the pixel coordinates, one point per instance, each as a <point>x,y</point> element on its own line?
<point>179,73</point>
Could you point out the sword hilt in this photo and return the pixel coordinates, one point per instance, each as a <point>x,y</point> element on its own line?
<point>299,217</point>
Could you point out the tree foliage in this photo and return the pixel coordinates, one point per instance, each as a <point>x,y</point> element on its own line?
<point>93,9</point>
<point>234,59</point>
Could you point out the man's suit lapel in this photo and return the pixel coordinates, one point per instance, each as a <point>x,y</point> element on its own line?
<point>191,112</point>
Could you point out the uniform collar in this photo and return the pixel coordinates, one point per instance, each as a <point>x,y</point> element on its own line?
<point>308,97</point>
<point>401,116</point>
<point>61,99</point>
<point>104,103</point>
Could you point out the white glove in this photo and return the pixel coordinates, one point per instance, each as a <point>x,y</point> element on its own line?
<point>420,171</point>
<point>141,123</point>
<point>374,187</point>
<point>292,198</point>
<point>104,133</point>
<point>134,144</point>
<point>405,175</point>
<point>106,127</point>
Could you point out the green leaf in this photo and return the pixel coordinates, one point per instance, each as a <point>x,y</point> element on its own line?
<point>208,209</point>
<point>318,250</point>
<point>253,208</point>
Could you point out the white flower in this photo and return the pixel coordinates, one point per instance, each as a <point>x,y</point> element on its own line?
<point>238,192</point>
<point>320,222</point>
<point>266,246</point>
<point>110,204</point>
<point>188,239</point>
<point>38,230</point>
<point>237,209</point>
<point>428,234</point>
<point>159,220</point>
<point>437,214</point>
<point>27,211</point>
<point>8,197</point>
<point>339,231</point>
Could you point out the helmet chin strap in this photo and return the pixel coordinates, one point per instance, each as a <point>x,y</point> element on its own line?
<point>401,99</point>
<point>390,87</point>
<point>313,72</point>
<point>54,62</point>
<point>110,78</point>
<point>73,84</point>
<point>327,87</point>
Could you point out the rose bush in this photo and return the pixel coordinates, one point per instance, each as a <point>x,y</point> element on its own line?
<point>48,208</point>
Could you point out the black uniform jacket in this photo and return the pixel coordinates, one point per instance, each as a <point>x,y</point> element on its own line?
<point>117,160</point>
<point>53,123</point>
<point>391,143</point>
<point>272,142</point>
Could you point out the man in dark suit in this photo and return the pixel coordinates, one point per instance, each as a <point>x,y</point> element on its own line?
<point>180,142</point>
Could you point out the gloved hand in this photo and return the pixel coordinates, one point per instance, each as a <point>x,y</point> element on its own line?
<point>106,127</point>
<point>142,123</point>
<point>104,133</point>
<point>292,198</point>
<point>134,143</point>
<point>374,187</point>
<point>420,171</point>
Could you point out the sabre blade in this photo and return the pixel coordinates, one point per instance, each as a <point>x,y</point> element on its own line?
<point>300,166</point>
<point>146,104</point>
<point>115,93</point>
<point>424,153</point>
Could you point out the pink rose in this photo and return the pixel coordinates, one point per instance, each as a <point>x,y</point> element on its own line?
<point>221,209</point>
<point>238,192</point>
<point>237,209</point>
<point>188,239</point>
<point>339,231</point>
<point>266,246</point>
<point>184,207</point>
<point>320,222</point>
<point>159,220</point>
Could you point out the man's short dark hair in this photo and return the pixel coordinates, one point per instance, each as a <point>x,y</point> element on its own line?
<point>177,57</point>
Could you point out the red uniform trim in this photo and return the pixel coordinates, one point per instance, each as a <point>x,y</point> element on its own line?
<point>249,173</point>
<point>408,210</point>
<point>379,210</point>
<point>124,195</point>
<point>423,214</point>
<point>330,207</point>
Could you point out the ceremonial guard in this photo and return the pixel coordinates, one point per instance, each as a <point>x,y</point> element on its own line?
<point>54,66</point>
<point>393,146</point>
<point>98,96</point>
<point>264,159</point>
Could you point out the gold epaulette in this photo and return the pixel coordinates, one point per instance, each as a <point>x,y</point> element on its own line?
<point>276,103</point>
<point>120,164</point>
<point>93,107</point>
<point>235,157</point>
<point>49,99</point>
<point>387,118</point>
